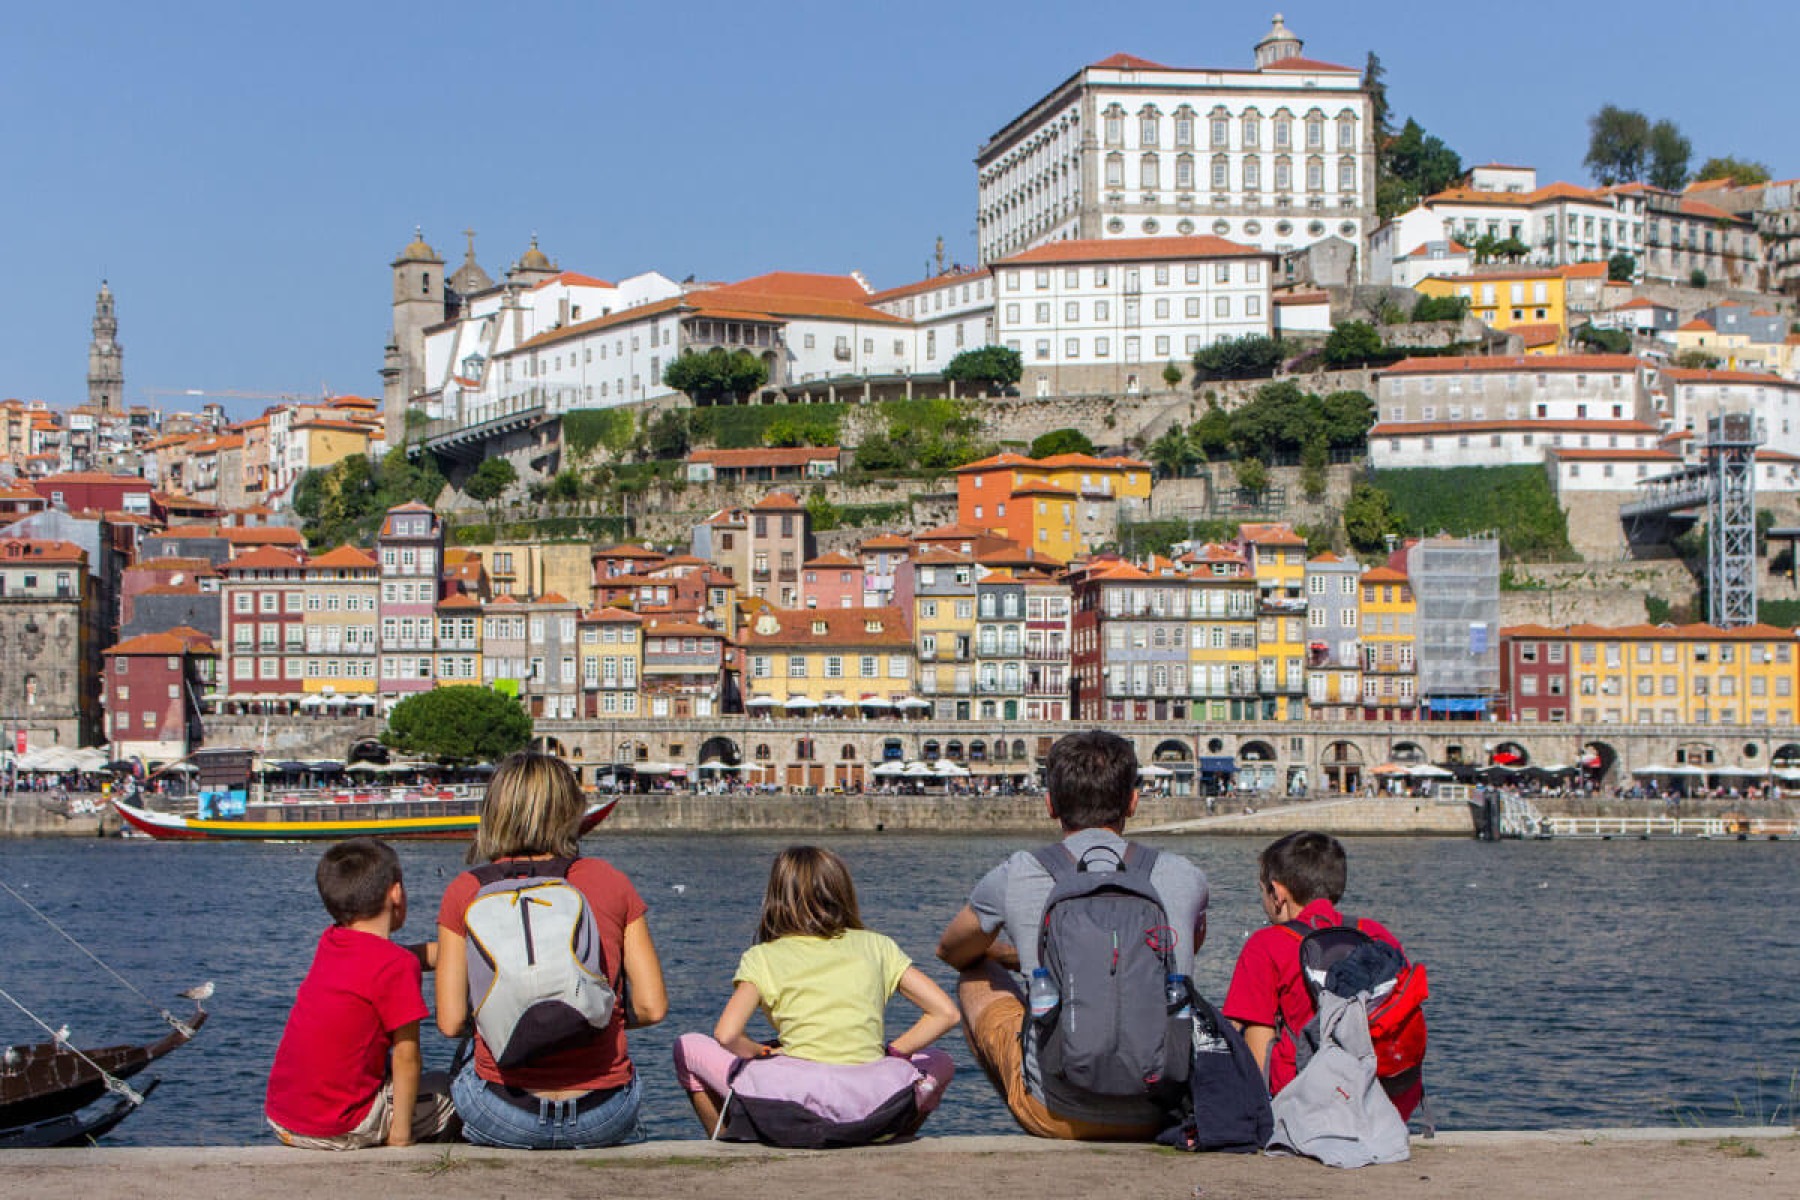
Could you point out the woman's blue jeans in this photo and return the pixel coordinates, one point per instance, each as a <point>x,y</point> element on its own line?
<point>491,1120</point>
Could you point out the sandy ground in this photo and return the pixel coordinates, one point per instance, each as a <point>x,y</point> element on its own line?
<point>1740,1164</point>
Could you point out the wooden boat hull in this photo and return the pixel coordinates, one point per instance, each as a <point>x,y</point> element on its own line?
<point>71,1129</point>
<point>369,821</point>
<point>46,1081</point>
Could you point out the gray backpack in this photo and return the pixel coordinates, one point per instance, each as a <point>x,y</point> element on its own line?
<point>537,971</point>
<point>1335,1109</point>
<point>1108,946</point>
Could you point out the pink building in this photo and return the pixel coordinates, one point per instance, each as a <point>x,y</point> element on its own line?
<point>832,581</point>
<point>411,549</point>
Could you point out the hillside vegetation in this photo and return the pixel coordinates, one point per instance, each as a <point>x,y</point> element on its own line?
<point>1515,503</point>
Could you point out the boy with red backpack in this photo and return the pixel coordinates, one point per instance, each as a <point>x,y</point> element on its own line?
<point>1302,877</point>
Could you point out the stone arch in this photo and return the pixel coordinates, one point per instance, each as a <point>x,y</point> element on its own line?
<point>1256,750</point>
<point>1409,752</point>
<point>1509,754</point>
<point>1694,754</point>
<point>1172,750</point>
<point>367,750</point>
<point>721,748</point>
<point>1018,749</point>
<point>1598,759</point>
<point>553,746</point>
<point>848,752</point>
<point>978,751</point>
<point>1787,755</point>
<point>953,750</point>
<point>892,750</point>
<point>929,751</point>
<point>629,751</point>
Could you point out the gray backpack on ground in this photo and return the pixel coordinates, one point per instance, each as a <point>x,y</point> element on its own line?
<point>1108,946</point>
<point>537,971</point>
<point>1335,1110</point>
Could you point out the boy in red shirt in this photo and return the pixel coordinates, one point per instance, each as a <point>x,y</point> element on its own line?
<point>1303,876</point>
<point>346,1075</point>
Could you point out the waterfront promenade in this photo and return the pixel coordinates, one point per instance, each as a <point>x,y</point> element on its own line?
<point>1754,1163</point>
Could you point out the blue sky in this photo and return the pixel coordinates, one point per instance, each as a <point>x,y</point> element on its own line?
<point>243,173</point>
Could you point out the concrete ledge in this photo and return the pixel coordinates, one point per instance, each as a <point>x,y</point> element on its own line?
<point>1579,1164</point>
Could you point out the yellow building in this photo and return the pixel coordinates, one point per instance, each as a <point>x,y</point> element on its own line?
<point>459,639</point>
<point>1503,299</point>
<point>330,441</point>
<point>1681,675</point>
<point>1389,624</point>
<point>339,622</point>
<point>612,662</point>
<point>1062,505</point>
<point>1278,564</point>
<point>827,661</point>
<point>1220,632</point>
<point>942,587</point>
<point>538,568</point>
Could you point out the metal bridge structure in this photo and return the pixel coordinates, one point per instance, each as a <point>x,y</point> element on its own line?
<point>1723,484</point>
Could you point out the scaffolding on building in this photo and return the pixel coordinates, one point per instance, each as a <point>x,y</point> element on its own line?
<point>1456,584</point>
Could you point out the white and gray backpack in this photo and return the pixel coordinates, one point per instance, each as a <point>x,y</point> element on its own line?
<point>537,972</point>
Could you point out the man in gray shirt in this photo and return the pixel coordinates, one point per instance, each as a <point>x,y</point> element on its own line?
<point>1092,783</point>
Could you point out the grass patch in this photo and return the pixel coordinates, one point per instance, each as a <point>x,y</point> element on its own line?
<point>1515,503</point>
<point>740,426</point>
<point>1738,1148</point>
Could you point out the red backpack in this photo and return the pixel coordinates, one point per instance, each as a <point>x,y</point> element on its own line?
<point>1345,961</point>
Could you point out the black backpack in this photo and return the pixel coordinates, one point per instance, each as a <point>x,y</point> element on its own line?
<point>1347,962</point>
<point>1108,947</point>
<point>1228,1096</point>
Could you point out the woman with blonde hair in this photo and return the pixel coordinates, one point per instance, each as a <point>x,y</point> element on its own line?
<point>549,953</point>
<point>831,1077</point>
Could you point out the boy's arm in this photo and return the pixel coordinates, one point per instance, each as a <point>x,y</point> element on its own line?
<point>405,1069</point>
<point>426,953</point>
<point>1258,1038</point>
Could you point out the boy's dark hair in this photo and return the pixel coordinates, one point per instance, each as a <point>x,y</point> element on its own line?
<point>1090,777</point>
<point>1311,866</point>
<point>354,877</point>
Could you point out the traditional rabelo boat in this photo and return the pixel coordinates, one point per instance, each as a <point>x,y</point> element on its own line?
<point>46,1089</point>
<point>411,814</point>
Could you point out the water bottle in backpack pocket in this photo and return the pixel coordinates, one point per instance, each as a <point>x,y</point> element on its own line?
<point>537,971</point>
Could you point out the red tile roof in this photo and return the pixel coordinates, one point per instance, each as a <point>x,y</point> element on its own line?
<point>843,627</point>
<point>265,558</point>
<point>1515,364</point>
<point>1383,575</point>
<point>777,501</point>
<point>1297,63</point>
<point>1270,535</point>
<point>1546,334</point>
<point>1586,455</point>
<point>177,641</point>
<point>1127,62</point>
<point>344,558</point>
<point>1695,375</point>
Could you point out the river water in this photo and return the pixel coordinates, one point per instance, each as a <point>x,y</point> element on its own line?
<point>1573,983</point>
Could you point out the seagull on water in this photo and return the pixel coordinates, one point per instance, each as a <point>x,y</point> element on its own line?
<point>679,889</point>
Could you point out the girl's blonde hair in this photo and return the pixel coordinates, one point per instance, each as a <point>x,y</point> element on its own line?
<point>810,893</point>
<point>533,806</point>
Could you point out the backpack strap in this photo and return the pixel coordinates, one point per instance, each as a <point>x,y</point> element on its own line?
<point>1139,857</point>
<point>1057,860</point>
<point>523,868</point>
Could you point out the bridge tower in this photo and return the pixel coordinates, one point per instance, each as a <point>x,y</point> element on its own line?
<point>1730,454</point>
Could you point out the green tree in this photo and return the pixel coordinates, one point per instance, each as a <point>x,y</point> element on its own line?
<point>1173,454</point>
<point>1252,475</point>
<point>1607,341</point>
<point>1374,82</point>
<point>1670,151</point>
<point>1441,308</point>
<point>1621,268</point>
<point>716,374</point>
<point>1251,357</point>
<point>1348,416</point>
<point>565,487</point>
<point>1742,171</point>
<point>824,515</point>
<point>490,481</point>
<point>1061,441</point>
<point>1313,459</point>
<point>1618,145</point>
<point>670,435</point>
<point>1172,375</point>
<point>1369,518</point>
<point>459,724</point>
<point>1353,342</point>
<point>988,367</point>
<point>1697,278</point>
<point>1696,360</point>
<point>1411,165</point>
<point>878,453</point>
<point>1211,434</point>
<point>1491,247</point>
<point>1279,419</point>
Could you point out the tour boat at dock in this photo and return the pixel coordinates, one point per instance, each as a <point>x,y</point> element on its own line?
<point>396,813</point>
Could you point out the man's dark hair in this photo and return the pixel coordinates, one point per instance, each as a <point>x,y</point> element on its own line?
<point>1091,777</point>
<point>354,877</point>
<point>1311,866</point>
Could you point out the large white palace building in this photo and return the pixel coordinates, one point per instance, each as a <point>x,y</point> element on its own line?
<point>1277,157</point>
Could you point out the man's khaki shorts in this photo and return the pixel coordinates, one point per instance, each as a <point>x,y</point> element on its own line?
<point>995,1043</point>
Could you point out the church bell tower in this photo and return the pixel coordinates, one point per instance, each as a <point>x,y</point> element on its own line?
<point>106,357</point>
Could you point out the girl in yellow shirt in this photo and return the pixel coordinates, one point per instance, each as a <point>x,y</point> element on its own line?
<point>823,981</point>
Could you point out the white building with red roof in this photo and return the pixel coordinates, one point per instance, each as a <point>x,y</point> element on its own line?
<point>1106,315</point>
<point>1277,155</point>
